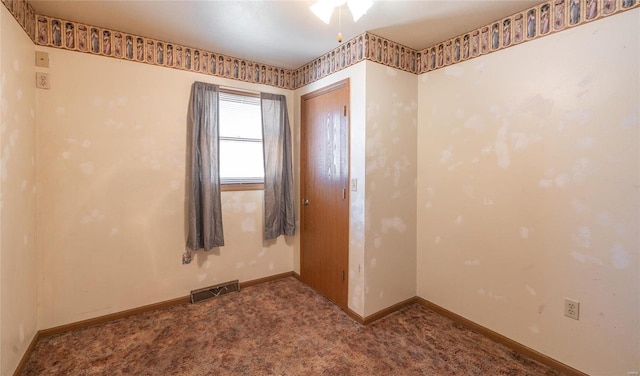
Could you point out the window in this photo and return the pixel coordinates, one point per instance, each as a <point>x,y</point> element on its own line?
<point>241,159</point>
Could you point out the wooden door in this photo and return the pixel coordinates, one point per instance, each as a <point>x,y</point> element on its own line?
<point>324,150</point>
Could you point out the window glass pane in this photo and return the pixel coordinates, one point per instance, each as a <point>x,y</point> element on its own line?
<point>241,160</point>
<point>240,116</point>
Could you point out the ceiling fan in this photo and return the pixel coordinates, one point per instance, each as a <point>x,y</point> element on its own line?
<point>324,9</point>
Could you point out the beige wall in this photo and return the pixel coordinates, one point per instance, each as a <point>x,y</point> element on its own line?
<point>18,277</point>
<point>390,204</point>
<point>111,177</point>
<point>356,76</point>
<point>528,174</point>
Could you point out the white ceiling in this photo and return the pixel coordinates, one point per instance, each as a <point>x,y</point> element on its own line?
<point>281,33</point>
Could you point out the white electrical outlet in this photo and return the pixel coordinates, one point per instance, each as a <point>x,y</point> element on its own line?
<point>42,80</point>
<point>572,308</point>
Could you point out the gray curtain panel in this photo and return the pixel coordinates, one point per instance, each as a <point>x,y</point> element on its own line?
<point>203,176</point>
<point>279,216</point>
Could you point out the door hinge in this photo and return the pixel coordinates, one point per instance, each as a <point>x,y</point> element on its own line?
<point>344,193</point>
<point>343,275</point>
<point>345,110</point>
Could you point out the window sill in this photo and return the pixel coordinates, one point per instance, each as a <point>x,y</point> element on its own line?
<point>242,187</point>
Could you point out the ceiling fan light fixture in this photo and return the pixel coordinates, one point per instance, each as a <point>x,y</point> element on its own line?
<point>358,8</point>
<point>323,10</point>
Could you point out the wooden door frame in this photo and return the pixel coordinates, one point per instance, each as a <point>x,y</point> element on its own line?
<point>303,163</point>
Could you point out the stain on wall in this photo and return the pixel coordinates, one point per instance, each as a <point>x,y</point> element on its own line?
<point>528,175</point>
<point>111,192</point>
<point>390,204</point>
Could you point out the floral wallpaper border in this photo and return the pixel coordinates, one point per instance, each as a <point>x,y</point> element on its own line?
<point>74,36</point>
<point>361,47</point>
<point>24,13</point>
<point>536,22</point>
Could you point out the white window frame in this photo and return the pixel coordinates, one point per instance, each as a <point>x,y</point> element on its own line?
<point>241,184</point>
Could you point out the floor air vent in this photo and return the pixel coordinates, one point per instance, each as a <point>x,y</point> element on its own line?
<point>214,291</point>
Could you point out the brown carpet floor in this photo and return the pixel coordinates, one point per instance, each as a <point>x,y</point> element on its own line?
<point>277,328</point>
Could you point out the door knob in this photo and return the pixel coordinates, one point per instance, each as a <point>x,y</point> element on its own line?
<point>305,201</point>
